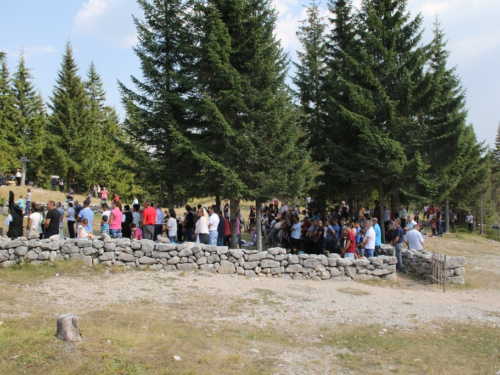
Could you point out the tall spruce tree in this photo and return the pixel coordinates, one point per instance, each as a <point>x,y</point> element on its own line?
<point>109,165</point>
<point>160,104</point>
<point>7,114</point>
<point>443,124</point>
<point>68,145</point>
<point>310,81</point>
<point>247,130</point>
<point>30,120</point>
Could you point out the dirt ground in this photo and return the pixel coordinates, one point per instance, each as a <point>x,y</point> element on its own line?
<point>298,310</point>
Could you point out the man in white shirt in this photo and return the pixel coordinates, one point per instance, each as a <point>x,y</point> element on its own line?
<point>411,223</point>
<point>284,207</point>
<point>160,216</point>
<point>28,203</point>
<point>213,223</point>
<point>414,239</point>
<point>135,201</point>
<point>369,242</point>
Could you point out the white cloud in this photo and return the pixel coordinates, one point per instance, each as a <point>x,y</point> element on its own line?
<point>39,49</point>
<point>108,20</point>
<point>469,49</point>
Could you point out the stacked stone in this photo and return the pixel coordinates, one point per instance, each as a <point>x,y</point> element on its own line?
<point>420,262</point>
<point>274,262</point>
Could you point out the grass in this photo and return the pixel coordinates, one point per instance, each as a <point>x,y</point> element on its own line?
<point>439,348</point>
<point>353,291</point>
<point>136,339</point>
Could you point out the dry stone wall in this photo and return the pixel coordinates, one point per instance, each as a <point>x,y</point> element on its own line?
<point>420,262</point>
<point>274,262</point>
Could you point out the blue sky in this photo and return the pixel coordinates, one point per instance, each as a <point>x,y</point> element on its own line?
<point>102,31</point>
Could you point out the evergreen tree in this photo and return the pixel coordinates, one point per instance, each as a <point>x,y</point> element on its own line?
<point>160,105</point>
<point>496,146</point>
<point>443,124</point>
<point>109,165</point>
<point>69,143</point>
<point>7,114</point>
<point>309,78</point>
<point>247,131</point>
<point>29,118</point>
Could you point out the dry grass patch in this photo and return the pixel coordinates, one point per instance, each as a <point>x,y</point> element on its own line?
<point>440,348</point>
<point>353,291</point>
<point>133,340</point>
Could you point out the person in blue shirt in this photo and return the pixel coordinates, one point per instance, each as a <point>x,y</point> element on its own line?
<point>88,214</point>
<point>378,237</point>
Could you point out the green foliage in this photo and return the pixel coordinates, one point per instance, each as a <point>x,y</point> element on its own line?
<point>7,115</point>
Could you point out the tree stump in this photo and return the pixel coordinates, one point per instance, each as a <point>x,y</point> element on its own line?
<point>68,328</point>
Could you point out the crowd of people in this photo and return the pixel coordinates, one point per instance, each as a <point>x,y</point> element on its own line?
<point>349,234</point>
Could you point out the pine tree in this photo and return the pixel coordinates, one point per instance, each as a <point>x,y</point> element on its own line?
<point>7,113</point>
<point>496,146</point>
<point>247,131</point>
<point>443,124</point>
<point>159,106</point>
<point>310,81</point>
<point>69,144</point>
<point>28,135</point>
<point>109,165</point>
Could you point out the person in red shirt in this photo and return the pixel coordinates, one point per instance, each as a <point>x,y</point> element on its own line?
<point>148,220</point>
<point>350,245</point>
<point>227,232</point>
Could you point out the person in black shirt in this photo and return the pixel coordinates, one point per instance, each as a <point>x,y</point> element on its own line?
<point>188,224</point>
<point>52,220</point>
<point>16,224</point>
<point>221,230</point>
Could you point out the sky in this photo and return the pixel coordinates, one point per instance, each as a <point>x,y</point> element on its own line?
<point>103,31</point>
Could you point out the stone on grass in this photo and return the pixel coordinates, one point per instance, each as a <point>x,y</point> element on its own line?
<point>68,328</point>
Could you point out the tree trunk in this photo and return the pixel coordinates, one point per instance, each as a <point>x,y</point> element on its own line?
<point>234,205</point>
<point>447,217</point>
<point>381,199</point>
<point>258,224</point>
<point>171,198</point>
<point>217,201</point>
<point>394,204</point>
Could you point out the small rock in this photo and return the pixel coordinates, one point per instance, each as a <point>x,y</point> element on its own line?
<point>177,358</point>
<point>255,351</point>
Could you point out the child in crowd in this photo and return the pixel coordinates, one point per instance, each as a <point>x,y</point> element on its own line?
<point>105,225</point>
<point>136,232</point>
<point>82,233</point>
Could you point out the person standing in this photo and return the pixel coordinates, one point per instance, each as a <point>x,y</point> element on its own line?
<point>61,185</point>
<point>213,224</point>
<point>61,220</point>
<point>135,201</point>
<point>378,237</point>
<point>221,230</point>
<point>160,217</point>
<point>171,225</point>
<point>88,214</point>
<point>70,217</point>
<point>402,216</point>
<point>127,219</point>
<point>18,177</point>
<point>28,203</point>
<point>104,195</point>
<point>369,240</point>
<point>397,242</point>
<point>188,224</point>
<point>452,217</point>
<point>34,222</point>
<point>52,220</point>
<point>148,220</point>
<point>470,221</point>
<point>99,191</point>
<point>136,215</point>
<point>115,220</point>
<point>201,230</point>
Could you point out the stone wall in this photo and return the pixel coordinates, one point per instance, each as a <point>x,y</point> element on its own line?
<point>420,263</point>
<point>274,262</point>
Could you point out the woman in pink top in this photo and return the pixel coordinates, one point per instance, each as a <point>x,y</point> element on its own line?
<point>115,220</point>
<point>104,195</point>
